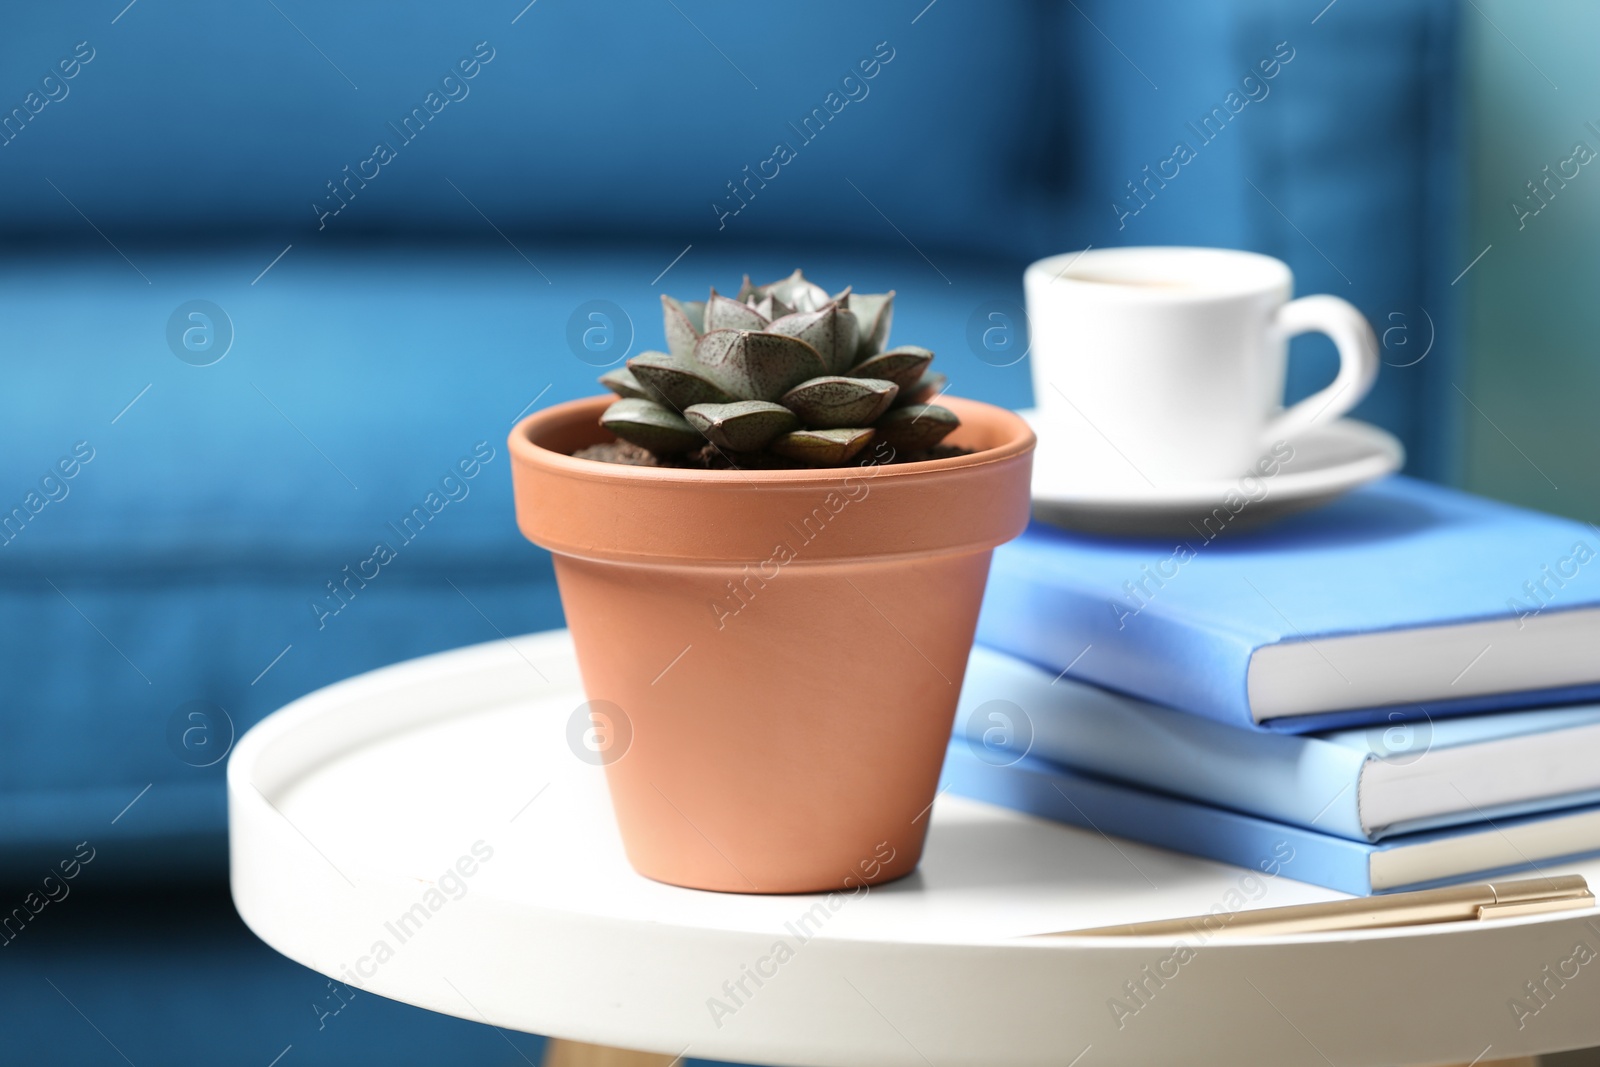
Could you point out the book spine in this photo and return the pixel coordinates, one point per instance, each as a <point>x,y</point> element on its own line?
<point>1033,611</point>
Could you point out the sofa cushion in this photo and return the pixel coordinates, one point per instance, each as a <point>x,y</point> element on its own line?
<point>194,116</point>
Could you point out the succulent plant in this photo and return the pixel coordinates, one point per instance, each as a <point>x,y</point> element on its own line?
<point>783,369</point>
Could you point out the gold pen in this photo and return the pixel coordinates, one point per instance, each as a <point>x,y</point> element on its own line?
<point>1485,900</point>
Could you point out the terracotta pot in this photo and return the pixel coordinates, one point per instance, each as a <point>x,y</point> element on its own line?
<point>785,647</point>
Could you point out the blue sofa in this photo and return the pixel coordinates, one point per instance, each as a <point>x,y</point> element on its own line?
<point>270,272</point>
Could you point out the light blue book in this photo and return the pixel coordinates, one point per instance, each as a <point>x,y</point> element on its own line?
<point>1365,785</point>
<point>1400,595</point>
<point>1415,861</point>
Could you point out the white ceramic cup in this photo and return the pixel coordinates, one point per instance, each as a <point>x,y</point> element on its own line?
<point>1159,367</point>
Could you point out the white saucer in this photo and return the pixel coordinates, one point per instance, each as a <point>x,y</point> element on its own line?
<point>1328,460</point>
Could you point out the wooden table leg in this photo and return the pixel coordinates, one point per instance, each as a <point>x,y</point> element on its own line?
<point>559,1053</point>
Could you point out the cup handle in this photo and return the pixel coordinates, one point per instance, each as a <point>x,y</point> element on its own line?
<point>1358,361</point>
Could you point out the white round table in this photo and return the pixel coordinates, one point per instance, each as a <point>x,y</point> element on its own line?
<point>426,832</point>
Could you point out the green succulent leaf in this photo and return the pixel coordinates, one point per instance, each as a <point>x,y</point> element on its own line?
<point>620,380</point>
<point>903,366</point>
<point>725,314</point>
<point>651,426</point>
<point>743,426</point>
<point>797,293</point>
<point>875,313</point>
<point>757,366</point>
<point>783,367</point>
<point>823,448</point>
<point>684,322</point>
<point>766,307</point>
<point>916,426</point>
<point>676,382</point>
<point>834,401</point>
<point>924,389</point>
<point>763,301</point>
<point>831,331</point>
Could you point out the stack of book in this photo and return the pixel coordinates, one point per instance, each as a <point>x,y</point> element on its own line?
<point>1387,693</point>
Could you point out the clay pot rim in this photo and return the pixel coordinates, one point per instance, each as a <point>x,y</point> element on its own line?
<point>524,450</point>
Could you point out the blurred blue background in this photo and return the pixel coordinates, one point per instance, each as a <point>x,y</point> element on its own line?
<point>394,221</point>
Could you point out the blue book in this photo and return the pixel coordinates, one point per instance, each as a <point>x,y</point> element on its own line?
<point>1364,785</point>
<point>1400,597</point>
<point>1415,861</point>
